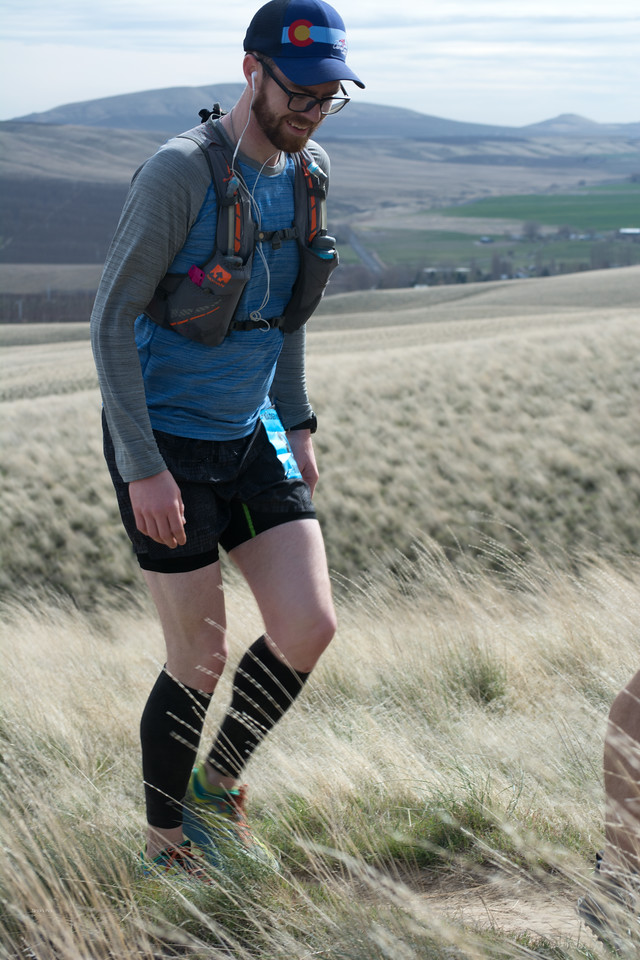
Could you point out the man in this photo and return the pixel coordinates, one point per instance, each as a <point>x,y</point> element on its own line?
<point>192,390</point>
<point>612,908</point>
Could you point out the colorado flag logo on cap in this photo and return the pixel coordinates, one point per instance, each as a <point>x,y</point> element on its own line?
<point>299,33</point>
<point>302,33</point>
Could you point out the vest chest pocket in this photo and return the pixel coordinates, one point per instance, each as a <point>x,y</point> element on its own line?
<point>202,305</point>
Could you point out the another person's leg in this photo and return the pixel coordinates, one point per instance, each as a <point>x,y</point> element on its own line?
<point>192,614</point>
<point>611,908</point>
<point>622,782</point>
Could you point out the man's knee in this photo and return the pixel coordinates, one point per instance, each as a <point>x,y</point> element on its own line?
<point>303,639</point>
<point>323,630</point>
<point>317,636</point>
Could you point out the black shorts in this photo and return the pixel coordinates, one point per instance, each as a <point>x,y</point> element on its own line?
<point>232,490</point>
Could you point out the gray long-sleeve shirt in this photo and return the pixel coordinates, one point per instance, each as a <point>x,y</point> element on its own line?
<point>163,205</point>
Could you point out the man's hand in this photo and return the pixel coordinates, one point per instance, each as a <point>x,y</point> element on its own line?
<point>158,509</point>
<point>302,448</point>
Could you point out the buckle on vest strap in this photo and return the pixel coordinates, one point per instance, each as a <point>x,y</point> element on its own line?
<point>257,323</point>
<point>275,237</point>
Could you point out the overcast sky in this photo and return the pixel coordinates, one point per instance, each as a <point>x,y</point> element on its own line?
<point>508,62</point>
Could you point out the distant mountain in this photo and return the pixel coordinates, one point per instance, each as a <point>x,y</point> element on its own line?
<point>167,111</point>
<point>572,125</point>
<point>174,109</point>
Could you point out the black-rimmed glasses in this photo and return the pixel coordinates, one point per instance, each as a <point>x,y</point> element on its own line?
<point>303,102</point>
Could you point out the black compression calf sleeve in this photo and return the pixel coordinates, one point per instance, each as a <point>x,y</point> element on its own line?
<point>264,688</point>
<point>170,731</point>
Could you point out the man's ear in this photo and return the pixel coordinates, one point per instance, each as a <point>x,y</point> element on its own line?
<point>251,69</point>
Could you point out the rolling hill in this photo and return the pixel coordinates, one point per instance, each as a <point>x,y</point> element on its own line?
<point>503,409</point>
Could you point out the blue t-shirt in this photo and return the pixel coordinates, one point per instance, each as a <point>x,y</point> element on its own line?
<point>217,393</point>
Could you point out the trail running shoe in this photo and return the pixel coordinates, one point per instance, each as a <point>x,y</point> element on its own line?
<point>610,910</point>
<point>178,863</point>
<point>215,820</point>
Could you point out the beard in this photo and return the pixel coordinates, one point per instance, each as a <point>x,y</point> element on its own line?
<point>275,129</point>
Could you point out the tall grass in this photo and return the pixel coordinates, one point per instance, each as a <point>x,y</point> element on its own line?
<point>452,734</point>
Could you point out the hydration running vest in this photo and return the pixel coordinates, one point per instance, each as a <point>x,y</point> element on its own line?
<point>201,304</point>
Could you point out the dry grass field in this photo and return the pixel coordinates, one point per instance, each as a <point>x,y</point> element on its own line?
<point>436,794</point>
<point>500,410</point>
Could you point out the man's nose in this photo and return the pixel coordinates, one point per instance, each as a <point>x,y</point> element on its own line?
<point>314,113</point>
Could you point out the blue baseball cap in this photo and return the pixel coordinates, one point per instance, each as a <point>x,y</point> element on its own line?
<point>306,39</point>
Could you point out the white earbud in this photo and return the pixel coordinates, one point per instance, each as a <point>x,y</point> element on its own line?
<point>253,79</point>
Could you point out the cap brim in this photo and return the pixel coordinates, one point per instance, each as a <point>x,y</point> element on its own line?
<point>312,71</point>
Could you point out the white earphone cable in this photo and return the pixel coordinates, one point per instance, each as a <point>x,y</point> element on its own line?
<point>255,314</point>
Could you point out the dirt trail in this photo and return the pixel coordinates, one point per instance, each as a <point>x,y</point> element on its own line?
<point>510,906</point>
<point>511,910</point>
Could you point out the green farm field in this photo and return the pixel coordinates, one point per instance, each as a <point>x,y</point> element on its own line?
<point>436,794</point>
<point>531,235</point>
<point>589,208</point>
